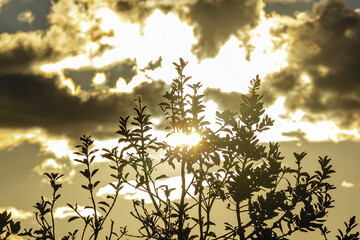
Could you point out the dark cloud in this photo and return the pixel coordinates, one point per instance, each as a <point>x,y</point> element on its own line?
<point>152,65</point>
<point>137,11</point>
<point>126,69</point>
<point>20,51</point>
<point>297,135</point>
<point>215,21</point>
<point>224,100</point>
<point>35,101</point>
<point>327,49</point>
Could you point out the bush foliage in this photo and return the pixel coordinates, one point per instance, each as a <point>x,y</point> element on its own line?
<point>229,169</point>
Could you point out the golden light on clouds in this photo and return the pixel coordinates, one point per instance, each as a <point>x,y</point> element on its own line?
<point>76,71</point>
<point>295,122</point>
<point>124,87</point>
<point>305,78</point>
<point>108,37</point>
<point>65,212</point>
<point>347,184</point>
<point>26,16</point>
<point>16,213</point>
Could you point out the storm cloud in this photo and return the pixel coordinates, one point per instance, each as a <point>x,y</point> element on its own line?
<point>323,76</point>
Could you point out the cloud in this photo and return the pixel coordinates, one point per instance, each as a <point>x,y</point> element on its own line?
<point>125,69</point>
<point>347,184</point>
<point>26,17</point>
<point>30,101</point>
<point>129,192</point>
<point>51,165</point>
<point>25,52</point>
<point>152,65</point>
<point>3,2</point>
<point>65,212</point>
<point>323,72</point>
<point>225,100</point>
<point>72,28</point>
<point>296,135</point>
<point>215,21</point>
<point>16,213</point>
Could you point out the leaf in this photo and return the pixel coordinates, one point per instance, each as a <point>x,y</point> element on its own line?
<point>94,172</point>
<point>73,218</point>
<point>104,203</point>
<point>161,177</point>
<point>96,183</point>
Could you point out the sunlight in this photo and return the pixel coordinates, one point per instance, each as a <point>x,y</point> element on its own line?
<point>177,139</point>
<point>123,87</point>
<point>99,78</point>
<point>60,148</point>
<point>298,115</point>
<point>70,62</point>
<point>305,78</point>
<point>65,212</point>
<point>69,83</point>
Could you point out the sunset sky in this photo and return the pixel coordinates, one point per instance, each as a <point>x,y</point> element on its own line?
<point>69,68</point>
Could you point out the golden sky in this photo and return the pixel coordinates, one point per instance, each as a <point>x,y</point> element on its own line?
<point>69,68</point>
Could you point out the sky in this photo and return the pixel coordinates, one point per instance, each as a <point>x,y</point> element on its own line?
<point>69,68</point>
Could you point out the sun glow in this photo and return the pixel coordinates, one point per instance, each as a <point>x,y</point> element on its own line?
<point>99,78</point>
<point>177,139</point>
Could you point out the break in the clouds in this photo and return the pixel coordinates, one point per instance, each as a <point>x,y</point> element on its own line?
<point>323,74</point>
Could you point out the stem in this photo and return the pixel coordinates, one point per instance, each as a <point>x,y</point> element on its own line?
<point>113,203</point>
<point>96,225</point>
<point>111,229</point>
<point>241,231</point>
<point>83,233</point>
<point>52,214</point>
<point>200,202</point>
<point>182,201</point>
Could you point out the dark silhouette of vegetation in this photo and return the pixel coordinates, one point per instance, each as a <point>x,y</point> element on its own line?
<point>229,169</point>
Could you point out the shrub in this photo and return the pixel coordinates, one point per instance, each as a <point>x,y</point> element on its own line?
<point>229,168</point>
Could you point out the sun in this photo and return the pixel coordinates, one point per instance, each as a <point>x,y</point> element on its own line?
<point>99,78</point>
<point>178,139</point>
